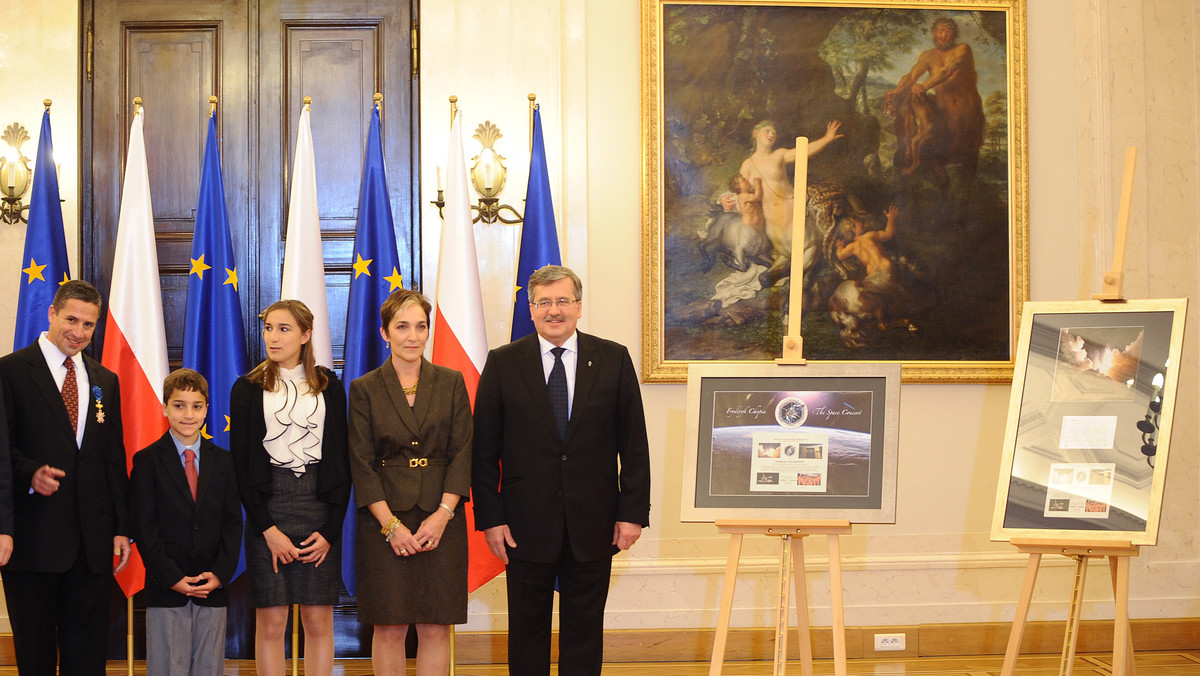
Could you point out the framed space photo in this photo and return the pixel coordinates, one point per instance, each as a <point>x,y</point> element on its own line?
<point>916,206</point>
<point>1089,422</point>
<point>780,442</point>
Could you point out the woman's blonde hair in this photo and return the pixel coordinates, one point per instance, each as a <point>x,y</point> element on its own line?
<point>267,372</point>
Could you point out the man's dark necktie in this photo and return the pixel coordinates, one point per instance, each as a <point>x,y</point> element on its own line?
<point>70,395</point>
<point>557,384</point>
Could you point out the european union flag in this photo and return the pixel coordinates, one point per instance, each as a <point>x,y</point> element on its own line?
<point>376,276</point>
<point>44,264</point>
<point>539,236</point>
<point>214,338</point>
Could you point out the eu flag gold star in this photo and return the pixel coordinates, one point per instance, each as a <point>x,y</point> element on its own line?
<point>395,279</point>
<point>516,290</point>
<point>231,277</point>
<point>226,423</point>
<point>198,267</point>
<point>360,266</point>
<point>34,271</point>
<point>66,278</point>
<point>204,432</point>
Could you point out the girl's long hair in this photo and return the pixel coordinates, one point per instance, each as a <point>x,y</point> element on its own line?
<point>267,372</point>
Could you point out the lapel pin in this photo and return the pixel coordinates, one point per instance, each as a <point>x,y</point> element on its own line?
<point>589,362</point>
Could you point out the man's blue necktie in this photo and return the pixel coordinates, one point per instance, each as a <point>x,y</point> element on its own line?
<point>557,384</point>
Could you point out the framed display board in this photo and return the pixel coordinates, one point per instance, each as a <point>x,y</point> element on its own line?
<point>1089,422</point>
<point>782,442</point>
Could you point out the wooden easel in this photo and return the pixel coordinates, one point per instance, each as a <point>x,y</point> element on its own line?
<point>790,560</point>
<point>1082,551</point>
<point>789,532</point>
<point>1118,553</point>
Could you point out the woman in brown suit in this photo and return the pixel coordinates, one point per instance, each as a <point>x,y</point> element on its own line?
<point>410,459</point>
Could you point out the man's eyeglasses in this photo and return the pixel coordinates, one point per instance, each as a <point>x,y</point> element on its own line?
<point>561,303</point>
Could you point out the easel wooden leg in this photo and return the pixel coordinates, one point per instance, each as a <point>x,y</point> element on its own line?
<point>1071,639</point>
<point>1122,637</point>
<point>837,605</point>
<point>803,629</point>
<point>731,567</point>
<point>784,607</point>
<point>1018,629</point>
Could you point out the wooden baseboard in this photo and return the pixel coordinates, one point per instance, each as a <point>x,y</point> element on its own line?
<point>925,640</point>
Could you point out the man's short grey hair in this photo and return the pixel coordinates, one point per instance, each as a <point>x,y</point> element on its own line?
<point>550,274</point>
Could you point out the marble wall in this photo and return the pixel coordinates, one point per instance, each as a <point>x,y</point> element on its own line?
<point>1103,75</point>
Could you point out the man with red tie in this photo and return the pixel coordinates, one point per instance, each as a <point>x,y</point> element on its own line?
<point>63,412</point>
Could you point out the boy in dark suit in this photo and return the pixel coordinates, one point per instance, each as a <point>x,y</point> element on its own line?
<point>187,522</point>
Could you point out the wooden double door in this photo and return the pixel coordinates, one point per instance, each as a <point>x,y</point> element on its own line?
<point>260,58</point>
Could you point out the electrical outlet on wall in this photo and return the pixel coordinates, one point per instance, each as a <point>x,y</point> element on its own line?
<point>889,642</point>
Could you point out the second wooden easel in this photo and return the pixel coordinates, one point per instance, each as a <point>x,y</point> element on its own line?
<point>1082,551</point>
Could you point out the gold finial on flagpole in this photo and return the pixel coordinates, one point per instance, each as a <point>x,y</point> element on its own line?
<point>212,106</point>
<point>47,102</point>
<point>308,103</point>
<point>137,104</point>
<point>453,108</point>
<point>378,99</point>
<point>532,107</point>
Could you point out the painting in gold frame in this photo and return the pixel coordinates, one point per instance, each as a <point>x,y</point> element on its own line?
<point>1089,421</point>
<point>916,230</point>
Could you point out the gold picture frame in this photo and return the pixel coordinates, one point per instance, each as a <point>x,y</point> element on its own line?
<point>946,299</point>
<point>1089,421</point>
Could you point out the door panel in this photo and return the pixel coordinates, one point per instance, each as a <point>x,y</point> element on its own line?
<point>261,59</point>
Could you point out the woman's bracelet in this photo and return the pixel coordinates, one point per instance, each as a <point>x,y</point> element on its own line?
<point>447,508</point>
<point>386,531</point>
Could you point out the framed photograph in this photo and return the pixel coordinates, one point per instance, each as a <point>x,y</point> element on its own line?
<point>1089,422</point>
<point>916,201</point>
<point>780,442</point>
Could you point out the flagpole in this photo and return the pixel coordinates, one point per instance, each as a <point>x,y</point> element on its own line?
<point>453,108</point>
<point>453,113</point>
<point>129,635</point>
<point>296,635</point>
<point>137,107</point>
<point>532,107</point>
<point>212,106</point>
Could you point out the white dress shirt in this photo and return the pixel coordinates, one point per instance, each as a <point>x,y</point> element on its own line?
<point>54,359</point>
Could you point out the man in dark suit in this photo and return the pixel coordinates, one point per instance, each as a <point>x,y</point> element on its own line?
<point>561,412</point>
<point>69,491</point>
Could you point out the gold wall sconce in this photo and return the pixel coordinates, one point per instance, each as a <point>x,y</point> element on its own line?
<point>14,175</point>
<point>488,174</point>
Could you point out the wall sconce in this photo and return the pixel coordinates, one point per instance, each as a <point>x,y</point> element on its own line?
<point>487,173</point>
<point>14,175</point>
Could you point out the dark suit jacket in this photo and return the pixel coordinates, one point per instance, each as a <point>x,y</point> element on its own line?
<point>91,504</point>
<point>247,427</point>
<point>550,484</point>
<point>178,536</point>
<point>386,433</point>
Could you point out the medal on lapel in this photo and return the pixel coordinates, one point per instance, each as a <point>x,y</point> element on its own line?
<point>99,395</point>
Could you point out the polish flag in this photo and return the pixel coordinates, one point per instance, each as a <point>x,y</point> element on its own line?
<point>135,342</point>
<point>303,259</point>
<point>459,337</point>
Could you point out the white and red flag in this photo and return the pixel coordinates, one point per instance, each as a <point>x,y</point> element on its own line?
<point>135,341</point>
<point>303,259</point>
<point>459,336</point>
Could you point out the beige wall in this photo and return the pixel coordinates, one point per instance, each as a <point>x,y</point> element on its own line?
<point>1103,75</point>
